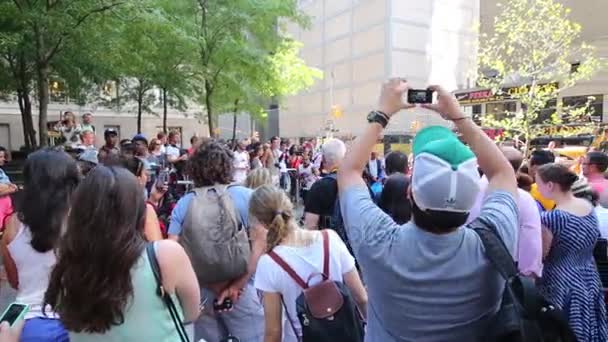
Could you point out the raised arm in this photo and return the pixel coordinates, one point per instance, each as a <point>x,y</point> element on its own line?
<point>391,102</point>
<point>491,160</point>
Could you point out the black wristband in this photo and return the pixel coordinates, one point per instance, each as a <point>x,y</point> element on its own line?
<point>378,117</point>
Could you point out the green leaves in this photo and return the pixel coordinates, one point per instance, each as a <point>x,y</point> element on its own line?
<point>534,43</point>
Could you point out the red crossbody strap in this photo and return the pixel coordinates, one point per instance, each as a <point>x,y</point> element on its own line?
<point>288,269</point>
<point>325,254</point>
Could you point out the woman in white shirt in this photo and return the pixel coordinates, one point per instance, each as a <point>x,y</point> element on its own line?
<point>302,250</point>
<point>33,233</point>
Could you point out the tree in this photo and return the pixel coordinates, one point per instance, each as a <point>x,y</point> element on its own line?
<point>228,31</point>
<point>16,69</point>
<point>151,58</point>
<point>48,28</point>
<point>534,45</point>
<point>252,79</point>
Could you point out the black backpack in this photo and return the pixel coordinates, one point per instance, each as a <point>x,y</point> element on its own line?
<point>524,314</point>
<point>326,311</point>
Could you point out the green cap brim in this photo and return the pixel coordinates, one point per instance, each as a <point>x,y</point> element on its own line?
<point>443,143</point>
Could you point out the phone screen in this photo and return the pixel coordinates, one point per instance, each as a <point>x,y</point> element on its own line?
<point>12,313</point>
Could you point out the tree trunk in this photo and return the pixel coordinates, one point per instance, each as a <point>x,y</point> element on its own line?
<point>43,102</point>
<point>165,110</point>
<point>29,121</point>
<point>234,118</point>
<point>25,107</point>
<point>140,102</point>
<point>25,103</point>
<point>208,90</point>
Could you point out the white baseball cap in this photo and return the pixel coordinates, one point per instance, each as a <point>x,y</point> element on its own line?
<point>445,175</point>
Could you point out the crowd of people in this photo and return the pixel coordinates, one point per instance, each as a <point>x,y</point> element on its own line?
<point>144,241</point>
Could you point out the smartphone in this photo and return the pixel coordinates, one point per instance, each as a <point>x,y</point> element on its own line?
<point>225,305</point>
<point>419,96</point>
<point>162,179</point>
<point>14,312</point>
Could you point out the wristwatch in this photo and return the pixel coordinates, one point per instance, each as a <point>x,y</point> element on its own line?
<point>379,117</point>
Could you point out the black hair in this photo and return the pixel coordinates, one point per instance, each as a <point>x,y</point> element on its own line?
<point>599,159</point>
<point>144,140</point>
<point>438,222</point>
<point>50,177</point>
<point>516,163</point>
<point>541,157</point>
<point>558,174</point>
<point>2,149</point>
<point>274,138</point>
<point>133,164</point>
<point>394,200</point>
<point>211,163</point>
<point>396,161</point>
<point>103,242</point>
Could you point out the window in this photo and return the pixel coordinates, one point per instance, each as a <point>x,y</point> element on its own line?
<point>596,105</point>
<point>476,113</point>
<point>115,127</point>
<point>546,113</point>
<point>500,109</point>
<point>57,91</point>
<point>574,67</point>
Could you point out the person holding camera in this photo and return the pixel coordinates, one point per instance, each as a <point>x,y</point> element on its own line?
<point>429,279</point>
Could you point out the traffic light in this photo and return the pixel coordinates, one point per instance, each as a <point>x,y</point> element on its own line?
<point>336,111</point>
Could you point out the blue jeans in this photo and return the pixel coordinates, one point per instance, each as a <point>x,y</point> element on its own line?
<point>245,321</point>
<point>41,329</point>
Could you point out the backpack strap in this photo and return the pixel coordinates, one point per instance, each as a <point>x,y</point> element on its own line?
<point>325,235</point>
<point>288,269</point>
<point>179,326</point>
<point>495,249</point>
<point>303,284</point>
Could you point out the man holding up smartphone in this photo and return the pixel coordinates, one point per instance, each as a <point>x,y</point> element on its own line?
<point>429,279</point>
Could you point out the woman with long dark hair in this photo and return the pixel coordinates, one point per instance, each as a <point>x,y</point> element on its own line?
<point>32,234</point>
<point>103,286</point>
<point>136,166</point>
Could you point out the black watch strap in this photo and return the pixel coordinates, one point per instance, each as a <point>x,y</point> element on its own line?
<point>379,117</point>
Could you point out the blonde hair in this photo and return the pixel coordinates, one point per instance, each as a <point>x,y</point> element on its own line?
<point>258,177</point>
<point>271,207</point>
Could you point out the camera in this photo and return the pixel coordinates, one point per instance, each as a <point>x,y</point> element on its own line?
<point>419,96</point>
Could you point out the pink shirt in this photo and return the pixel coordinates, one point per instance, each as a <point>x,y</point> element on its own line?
<point>529,247</point>
<point>6,208</point>
<point>599,184</point>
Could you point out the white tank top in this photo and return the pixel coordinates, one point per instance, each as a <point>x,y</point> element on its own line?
<point>34,269</point>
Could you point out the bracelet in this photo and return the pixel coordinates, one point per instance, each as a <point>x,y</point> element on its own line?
<point>460,119</point>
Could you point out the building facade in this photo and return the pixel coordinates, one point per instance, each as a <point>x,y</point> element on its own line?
<point>479,102</point>
<point>124,121</point>
<point>358,44</point>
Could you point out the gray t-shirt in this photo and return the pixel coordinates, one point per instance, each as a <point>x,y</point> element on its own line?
<point>422,286</point>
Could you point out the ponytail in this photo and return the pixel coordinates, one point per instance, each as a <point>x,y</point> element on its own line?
<point>277,230</point>
<point>271,207</point>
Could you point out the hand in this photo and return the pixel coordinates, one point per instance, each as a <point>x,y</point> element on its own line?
<point>156,194</point>
<point>10,334</point>
<point>232,292</point>
<point>391,96</point>
<point>447,106</point>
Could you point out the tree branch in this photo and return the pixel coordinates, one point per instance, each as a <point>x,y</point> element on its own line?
<point>17,4</point>
<point>79,22</point>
